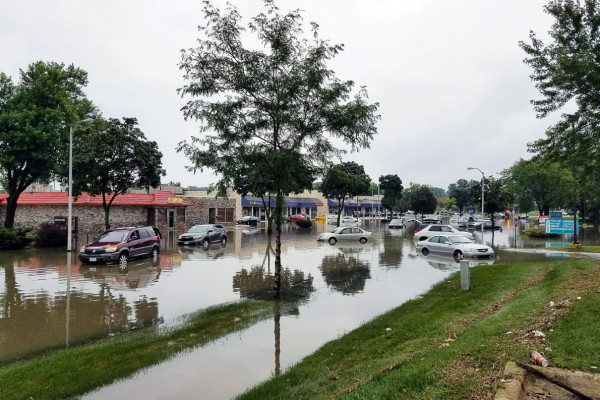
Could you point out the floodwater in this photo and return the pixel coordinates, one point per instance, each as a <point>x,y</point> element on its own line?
<point>52,301</point>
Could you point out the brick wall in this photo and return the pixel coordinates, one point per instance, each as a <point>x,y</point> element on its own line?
<point>199,212</point>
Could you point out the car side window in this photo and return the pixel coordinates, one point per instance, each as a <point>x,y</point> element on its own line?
<point>443,239</point>
<point>134,235</point>
<point>355,230</point>
<point>435,229</point>
<point>345,231</point>
<point>144,233</point>
<point>435,239</point>
<point>446,229</point>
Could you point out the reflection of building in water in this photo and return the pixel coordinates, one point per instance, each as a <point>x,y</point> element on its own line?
<point>345,272</point>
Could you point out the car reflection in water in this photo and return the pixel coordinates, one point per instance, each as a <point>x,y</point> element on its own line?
<point>135,274</point>
<point>449,263</point>
<point>213,252</point>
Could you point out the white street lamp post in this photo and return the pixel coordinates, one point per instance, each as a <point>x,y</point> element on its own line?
<point>482,193</point>
<point>70,202</point>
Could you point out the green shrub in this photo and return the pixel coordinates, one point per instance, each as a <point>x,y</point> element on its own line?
<point>538,232</point>
<point>304,223</point>
<point>51,235</point>
<point>14,238</point>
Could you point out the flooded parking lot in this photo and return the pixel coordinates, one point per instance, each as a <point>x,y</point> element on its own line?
<point>51,301</point>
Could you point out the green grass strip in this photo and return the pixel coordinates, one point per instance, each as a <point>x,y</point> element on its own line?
<point>577,249</point>
<point>451,344</point>
<point>70,372</point>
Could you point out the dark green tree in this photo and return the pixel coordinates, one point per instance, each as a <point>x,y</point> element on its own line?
<point>343,181</point>
<point>35,115</point>
<point>439,192</point>
<point>391,185</point>
<point>566,70</point>
<point>279,100</point>
<point>420,198</point>
<point>461,192</point>
<point>538,182</point>
<point>111,157</point>
<point>497,196</point>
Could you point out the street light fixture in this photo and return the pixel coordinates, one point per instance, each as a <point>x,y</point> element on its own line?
<point>70,206</point>
<point>482,193</point>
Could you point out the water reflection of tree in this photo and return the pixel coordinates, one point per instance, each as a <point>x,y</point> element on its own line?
<point>345,272</point>
<point>391,256</point>
<point>33,324</point>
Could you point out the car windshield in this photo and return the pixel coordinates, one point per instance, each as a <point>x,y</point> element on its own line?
<point>459,239</point>
<point>199,229</point>
<point>112,236</point>
<point>395,221</point>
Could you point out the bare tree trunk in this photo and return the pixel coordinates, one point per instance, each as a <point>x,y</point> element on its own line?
<point>277,331</point>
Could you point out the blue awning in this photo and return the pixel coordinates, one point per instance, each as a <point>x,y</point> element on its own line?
<point>254,201</point>
<point>369,202</point>
<point>347,203</point>
<point>302,202</point>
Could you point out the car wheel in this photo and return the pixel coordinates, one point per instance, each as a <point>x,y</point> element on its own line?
<point>205,243</point>
<point>332,240</point>
<point>363,240</point>
<point>154,254</point>
<point>123,259</point>
<point>223,240</point>
<point>425,251</point>
<point>458,255</point>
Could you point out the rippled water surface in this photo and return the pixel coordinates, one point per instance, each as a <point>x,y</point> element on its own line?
<point>49,301</point>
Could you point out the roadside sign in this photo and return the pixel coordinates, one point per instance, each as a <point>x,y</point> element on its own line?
<point>563,226</point>
<point>556,214</point>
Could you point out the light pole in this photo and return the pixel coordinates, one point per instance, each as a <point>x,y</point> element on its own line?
<point>70,202</point>
<point>482,192</point>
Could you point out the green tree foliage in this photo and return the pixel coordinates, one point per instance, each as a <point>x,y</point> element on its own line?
<point>35,115</point>
<point>497,196</point>
<point>420,198</point>
<point>439,192</point>
<point>461,192</point>
<point>547,185</point>
<point>276,101</point>
<point>391,185</point>
<point>343,181</point>
<point>567,70</point>
<point>111,157</point>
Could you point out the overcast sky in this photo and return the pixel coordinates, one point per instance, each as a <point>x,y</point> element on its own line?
<point>449,76</point>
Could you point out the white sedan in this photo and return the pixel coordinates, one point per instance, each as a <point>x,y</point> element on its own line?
<point>457,246</point>
<point>436,229</point>
<point>345,233</point>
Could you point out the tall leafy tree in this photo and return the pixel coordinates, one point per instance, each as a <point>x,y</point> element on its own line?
<point>421,199</point>
<point>537,181</point>
<point>497,196</point>
<point>113,156</point>
<point>461,192</point>
<point>278,99</point>
<point>35,115</point>
<point>567,70</point>
<point>391,185</point>
<point>343,181</point>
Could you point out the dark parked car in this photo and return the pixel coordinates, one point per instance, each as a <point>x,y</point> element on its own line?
<point>396,224</point>
<point>248,220</point>
<point>122,244</point>
<point>204,234</point>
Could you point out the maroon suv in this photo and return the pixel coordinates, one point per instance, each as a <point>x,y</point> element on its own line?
<point>122,244</point>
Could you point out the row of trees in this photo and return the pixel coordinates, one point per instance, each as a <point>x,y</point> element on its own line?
<point>36,113</point>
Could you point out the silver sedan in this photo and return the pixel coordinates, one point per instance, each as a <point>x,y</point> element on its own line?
<point>458,246</point>
<point>345,233</point>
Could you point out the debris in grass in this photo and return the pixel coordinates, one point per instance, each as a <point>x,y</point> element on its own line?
<point>552,304</point>
<point>388,329</point>
<point>539,334</point>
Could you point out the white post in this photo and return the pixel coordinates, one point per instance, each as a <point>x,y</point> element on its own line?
<point>70,206</point>
<point>465,275</point>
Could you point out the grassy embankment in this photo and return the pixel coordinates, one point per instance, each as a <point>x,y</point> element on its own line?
<point>578,249</point>
<point>70,372</point>
<point>452,344</point>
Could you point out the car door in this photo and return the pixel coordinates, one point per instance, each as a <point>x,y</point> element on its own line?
<point>445,246</point>
<point>145,242</point>
<point>433,244</point>
<point>134,244</point>
<point>346,234</point>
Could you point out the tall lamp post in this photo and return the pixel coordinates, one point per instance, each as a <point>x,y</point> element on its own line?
<point>482,193</point>
<point>70,206</point>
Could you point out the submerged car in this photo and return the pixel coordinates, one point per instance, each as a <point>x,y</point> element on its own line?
<point>204,234</point>
<point>457,246</point>
<point>122,244</point>
<point>345,233</point>
<point>248,220</point>
<point>432,230</point>
<point>396,224</point>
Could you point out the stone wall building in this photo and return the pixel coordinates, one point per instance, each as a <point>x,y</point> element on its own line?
<point>162,209</point>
